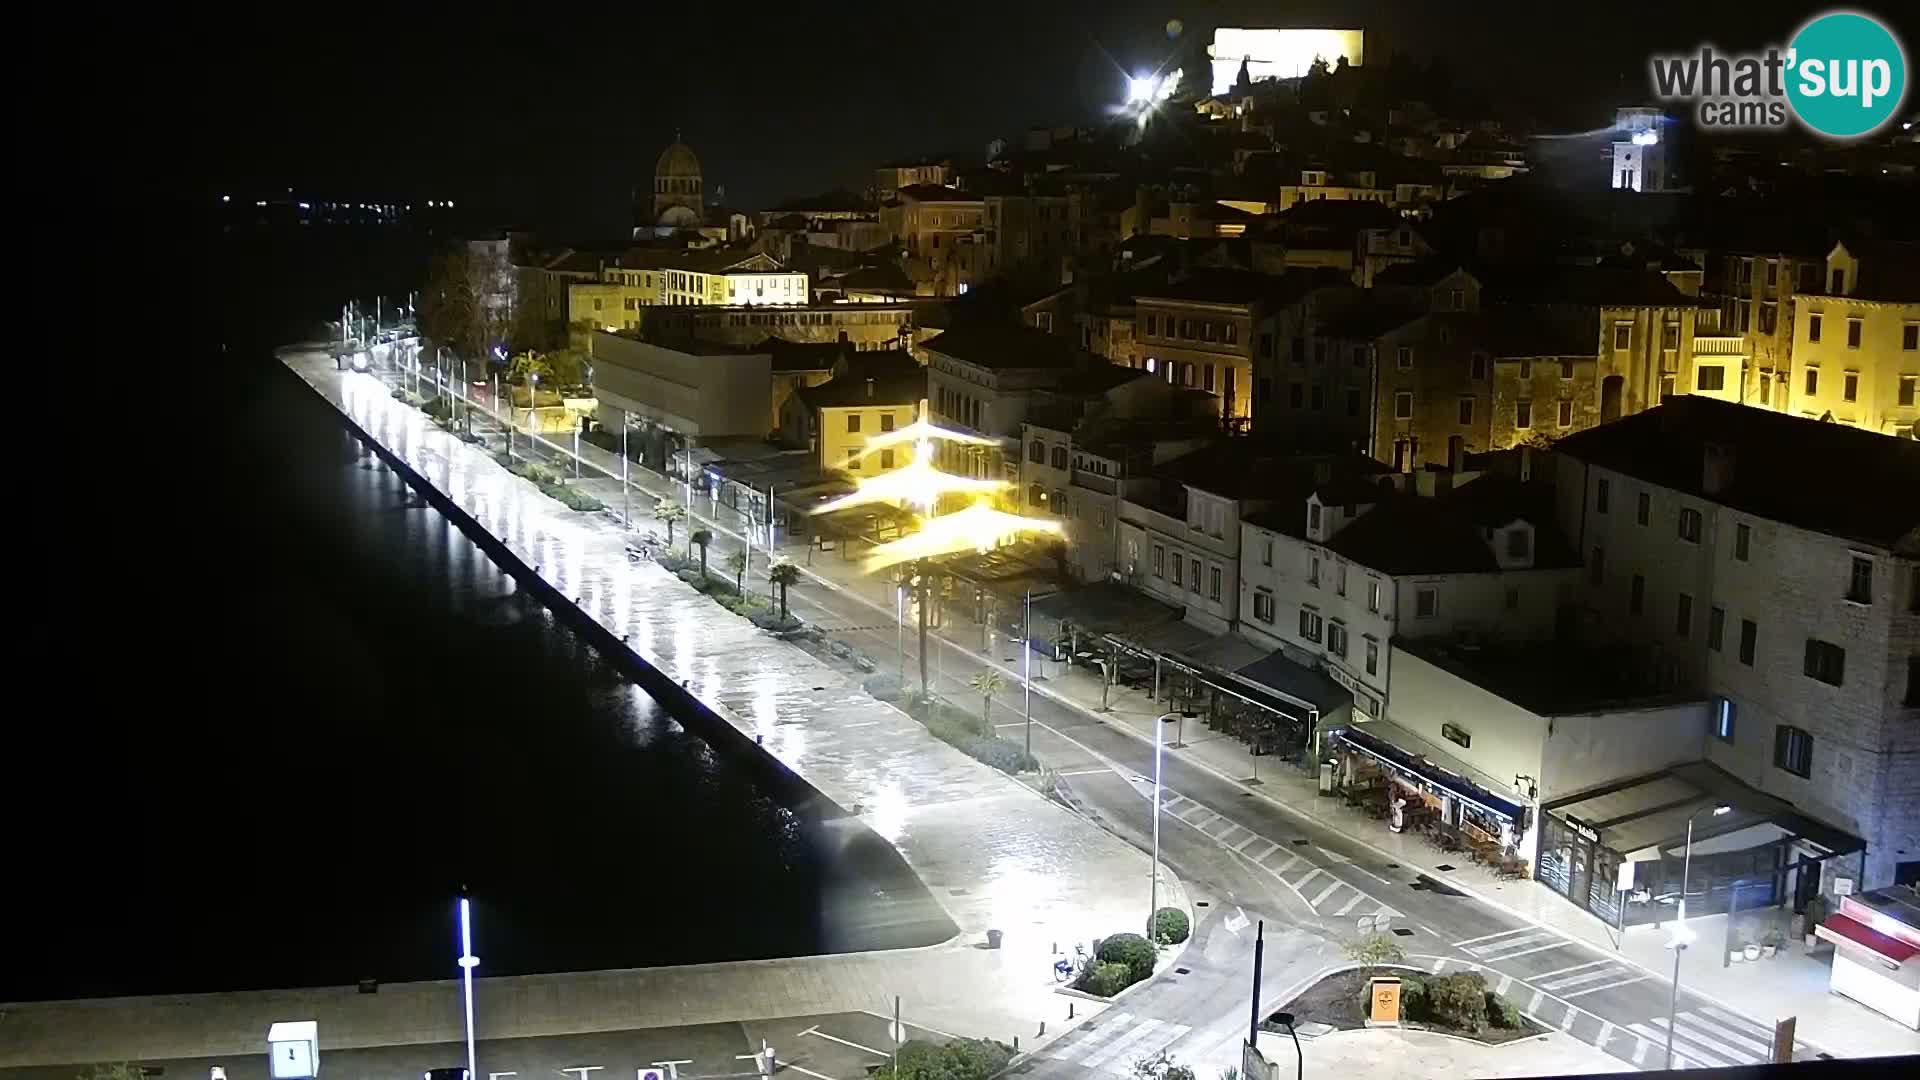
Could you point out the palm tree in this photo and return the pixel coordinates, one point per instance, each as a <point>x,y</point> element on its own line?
<point>783,574</point>
<point>701,538</point>
<point>986,684</point>
<point>670,512</point>
<point>737,566</point>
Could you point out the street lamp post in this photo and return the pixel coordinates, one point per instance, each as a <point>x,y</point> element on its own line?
<point>1299,1059</point>
<point>1026,642</point>
<point>626,508</point>
<point>1682,936</point>
<point>1153,893</point>
<point>468,962</point>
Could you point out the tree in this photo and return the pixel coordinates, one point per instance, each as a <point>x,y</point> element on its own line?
<point>670,512</point>
<point>783,573</point>
<point>700,538</point>
<point>530,368</point>
<point>737,566</point>
<point>1161,1067</point>
<point>986,684</point>
<point>1374,950</point>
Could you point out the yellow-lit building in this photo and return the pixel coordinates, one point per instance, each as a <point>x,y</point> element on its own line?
<point>835,419</point>
<point>1856,340</point>
<point>684,278</point>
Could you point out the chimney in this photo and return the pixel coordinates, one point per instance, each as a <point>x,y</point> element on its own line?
<point>869,389</point>
<point>1716,474</point>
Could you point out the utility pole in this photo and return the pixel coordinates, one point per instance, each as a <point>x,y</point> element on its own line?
<point>1259,955</point>
<point>1026,642</point>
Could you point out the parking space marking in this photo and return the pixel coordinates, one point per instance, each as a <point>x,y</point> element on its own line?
<point>815,1031</point>
<point>1324,893</point>
<point>1358,898</point>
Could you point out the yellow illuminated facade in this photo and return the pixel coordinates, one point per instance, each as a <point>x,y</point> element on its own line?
<point>846,433</point>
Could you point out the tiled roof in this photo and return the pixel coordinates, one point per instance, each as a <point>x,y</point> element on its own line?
<point>1228,286</point>
<point>936,193</point>
<point>1418,272</point>
<point>901,382</point>
<point>1888,271</point>
<point>1600,286</point>
<point>1820,476</point>
<point>1005,346</point>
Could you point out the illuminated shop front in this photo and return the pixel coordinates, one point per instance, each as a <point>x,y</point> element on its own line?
<point>1378,764</point>
<point>1620,850</point>
<point>1876,951</point>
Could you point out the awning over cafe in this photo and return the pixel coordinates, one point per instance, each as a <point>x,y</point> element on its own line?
<point>1446,774</point>
<point>1644,816</point>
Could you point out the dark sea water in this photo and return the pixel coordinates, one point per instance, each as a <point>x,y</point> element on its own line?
<point>318,710</point>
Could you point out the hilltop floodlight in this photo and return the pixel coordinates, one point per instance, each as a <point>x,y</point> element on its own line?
<point>1646,138</point>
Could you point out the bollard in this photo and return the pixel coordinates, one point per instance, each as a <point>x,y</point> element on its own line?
<point>1069,1009</point>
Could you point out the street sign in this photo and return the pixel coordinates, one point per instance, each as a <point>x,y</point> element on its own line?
<point>898,1031</point>
<point>293,1050</point>
<point>650,1074</point>
<point>1783,1040</point>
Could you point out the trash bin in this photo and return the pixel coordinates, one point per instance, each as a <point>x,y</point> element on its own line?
<point>993,939</point>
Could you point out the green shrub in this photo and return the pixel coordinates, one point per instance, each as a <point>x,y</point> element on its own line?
<point>1374,950</point>
<point>1003,754</point>
<point>1170,926</point>
<point>1132,950</point>
<point>1460,1000</point>
<point>771,620</point>
<point>961,1059</point>
<point>1105,978</point>
<point>1503,1013</point>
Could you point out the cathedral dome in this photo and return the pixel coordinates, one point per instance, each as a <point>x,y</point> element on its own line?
<point>677,160</point>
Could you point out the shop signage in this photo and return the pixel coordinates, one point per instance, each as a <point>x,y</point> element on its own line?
<point>1581,828</point>
<point>1456,734</point>
<point>1383,1003</point>
<point>1363,698</point>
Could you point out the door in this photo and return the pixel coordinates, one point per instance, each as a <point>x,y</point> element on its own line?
<point>1806,884</point>
<point>1611,390</point>
<point>1580,876</point>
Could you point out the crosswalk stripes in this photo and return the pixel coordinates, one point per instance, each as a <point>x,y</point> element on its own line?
<point>1118,1040</point>
<point>1713,1040</point>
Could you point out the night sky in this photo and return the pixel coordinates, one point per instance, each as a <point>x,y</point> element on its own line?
<point>553,112</point>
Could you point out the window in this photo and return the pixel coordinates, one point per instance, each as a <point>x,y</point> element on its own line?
<point>1319,399</point>
<point>1313,521</point>
<point>1193,580</point>
<point>1153,324</point>
<point>1622,336</point>
<point>1792,747</point>
<point>1683,616</point>
<point>1908,386</point>
<point>1769,318</point>
<point>1355,397</point>
<point>1711,378</point>
<point>1426,602</point>
<point>1037,452</point>
<point>1313,570</point>
<point>1742,541</point>
<point>1373,657</point>
<point>1716,627</point>
<point>1749,637</point>
<point>1403,404</point>
<point>1159,561</point>
<point>1179,570</point>
<point>1690,526</point>
<point>1466,410</point>
<point>1670,337</point>
<point>1263,606</point>
<point>1296,395</point>
<point>1637,601</point>
<point>1913,681</point>
<point>1597,566</point>
<point>1036,495</point>
<point>1340,580</point>
<point>1566,413</point>
<point>1213,583</point>
<point>1850,386</point>
<point>886,459</point>
<point>1479,365</point>
<point>1813,327</point>
<point>1337,639</point>
<point>1059,457</point>
<point>1813,381</point>
<point>1601,490</point>
<point>1643,511</point>
<point>1513,598</point>
<point>853,423</point>
<point>1310,625</point>
<point>1566,370</point>
<point>1910,337</point>
<point>1853,333</point>
<point>1266,553</point>
<point>1523,414</point>
<point>1517,544</point>
<point>886,421</point>
<point>1723,720</point>
<point>1860,580</point>
<point>1526,369</point>
<point>1404,356</point>
<point>1373,595</point>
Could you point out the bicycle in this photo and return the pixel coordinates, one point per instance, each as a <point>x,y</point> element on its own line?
<point>1065,968</point>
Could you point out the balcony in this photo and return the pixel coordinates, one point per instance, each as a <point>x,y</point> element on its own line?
<point>1719,345</point>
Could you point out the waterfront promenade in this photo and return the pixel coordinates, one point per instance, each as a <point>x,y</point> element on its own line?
<point>993,853</point>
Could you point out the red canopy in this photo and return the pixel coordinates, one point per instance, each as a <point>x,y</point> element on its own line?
<point>1859,933</point>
